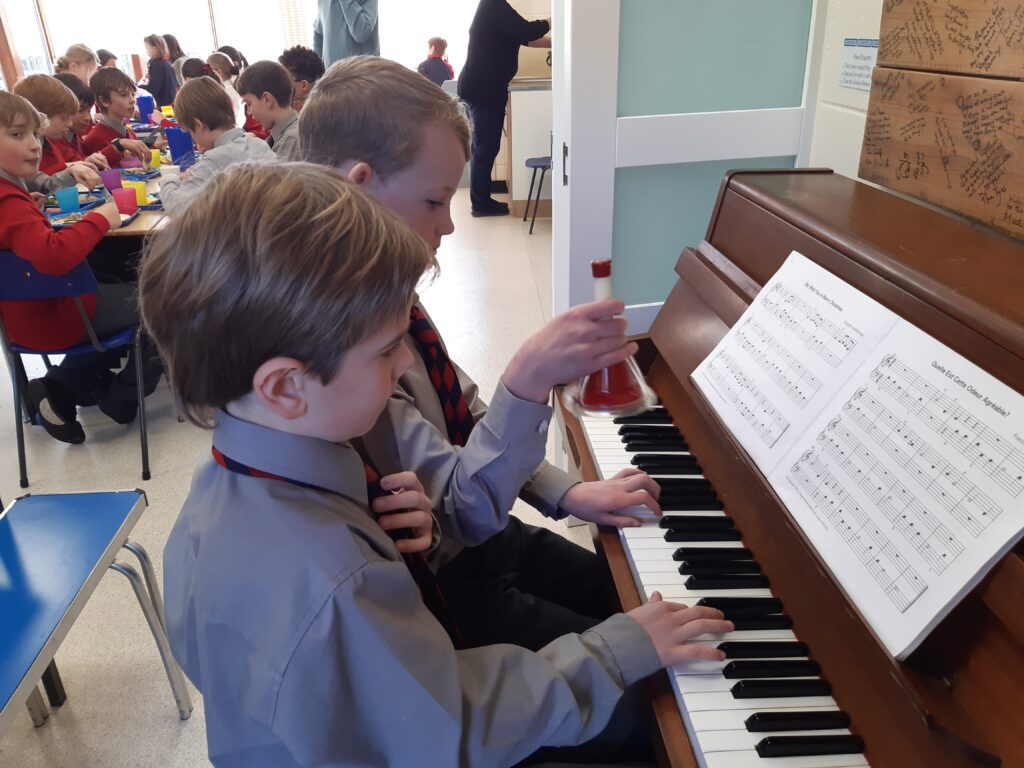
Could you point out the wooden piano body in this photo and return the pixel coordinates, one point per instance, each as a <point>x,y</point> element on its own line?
<point>959,699</point>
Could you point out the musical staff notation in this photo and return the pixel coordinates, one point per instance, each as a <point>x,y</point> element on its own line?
<point>792,376</point>
<point>980,444</point>
<point>965,502</point>
<point>750,402</point>
<point>897,579</point>
<point>933,541</point>
<point>819,334</point>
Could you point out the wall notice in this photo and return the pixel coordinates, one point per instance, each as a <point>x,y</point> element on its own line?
<point>856,63</point>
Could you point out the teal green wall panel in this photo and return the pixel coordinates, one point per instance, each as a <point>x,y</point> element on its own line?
<point>658,211</point>
<point>679,56</point>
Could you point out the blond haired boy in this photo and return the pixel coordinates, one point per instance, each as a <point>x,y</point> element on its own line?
<point>280,306</point>
<point>406,142</point>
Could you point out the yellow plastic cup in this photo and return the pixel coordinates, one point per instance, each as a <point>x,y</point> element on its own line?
<point>140,190</point>
<point>155,158</point>
<point>167,110</point>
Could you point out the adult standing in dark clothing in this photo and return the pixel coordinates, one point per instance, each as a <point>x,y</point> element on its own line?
<point>161,81</point>
<point>495,36</point>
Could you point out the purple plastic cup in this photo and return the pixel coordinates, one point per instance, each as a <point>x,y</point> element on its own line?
<point>111,179</point>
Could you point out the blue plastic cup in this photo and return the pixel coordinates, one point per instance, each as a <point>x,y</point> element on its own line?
<point>67,199</point>
<point>180,144</point>
<point>146,107</point>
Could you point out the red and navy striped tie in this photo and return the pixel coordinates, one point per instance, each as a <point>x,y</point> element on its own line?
<point>430,590</point>
<point>457,418</point>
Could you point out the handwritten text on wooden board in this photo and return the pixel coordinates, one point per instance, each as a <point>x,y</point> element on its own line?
<point>957,142</point>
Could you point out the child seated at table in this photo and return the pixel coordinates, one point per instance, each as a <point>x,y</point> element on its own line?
<point>114,92</point>
<point>266,88</point>
<point>305,67</point>
<point>81,123</point>
<point>53,324</point>
<point>280,305</point>
<point>203,109</point>
<point>55,100</point>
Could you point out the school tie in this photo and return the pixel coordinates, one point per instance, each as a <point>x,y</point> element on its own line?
<point>458,420</point>
<point>430,590</point>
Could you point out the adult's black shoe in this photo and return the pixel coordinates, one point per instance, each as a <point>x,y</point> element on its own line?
<point>496,211</point>
<point>121,411</point>
<point>63,427</point>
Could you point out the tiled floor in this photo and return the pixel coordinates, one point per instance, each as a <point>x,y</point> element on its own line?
<point>493,291</point>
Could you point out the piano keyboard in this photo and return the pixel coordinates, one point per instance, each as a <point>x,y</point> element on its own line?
<point>766,705</point>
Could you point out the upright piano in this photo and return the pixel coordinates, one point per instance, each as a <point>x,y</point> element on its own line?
<point>958,700</point>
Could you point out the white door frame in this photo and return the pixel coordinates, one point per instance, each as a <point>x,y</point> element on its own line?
<point>585,71</point>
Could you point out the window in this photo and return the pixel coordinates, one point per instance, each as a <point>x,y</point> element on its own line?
<point>264,35</point>
<point>405,28</point>
<point>27,35</point>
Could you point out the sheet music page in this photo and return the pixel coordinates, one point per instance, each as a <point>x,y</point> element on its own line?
<point>789,353</point>
<point>909,483</point>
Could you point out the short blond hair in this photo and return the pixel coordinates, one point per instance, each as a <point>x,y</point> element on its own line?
<point>48,95</point>
<point>75,54</point>
<point>204,98</point>
<point>373,110</point>
<point>159,43</point>
<point>13,106</point>
<point>276,259</point>
<point>221,64</point>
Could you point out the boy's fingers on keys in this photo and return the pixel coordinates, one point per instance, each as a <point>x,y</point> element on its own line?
<point>406,481</point>
<point>691,630</point>
<point>401,500</point>
<point>685,652</point>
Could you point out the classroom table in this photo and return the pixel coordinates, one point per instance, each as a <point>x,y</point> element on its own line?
<point>146,222</point>
<point>54,549</point>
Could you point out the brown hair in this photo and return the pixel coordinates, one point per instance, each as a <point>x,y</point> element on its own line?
<point>204,98</point>
<point>221,64</point>
<point>157,42</point>
<point>439,44</point>
<point>108,81</point>
<point>280,259</point>
<point>75,54</point>
<point>373,110</point>
<point>13,106</point>
<point>47,94</point>
<point>266,77</point>
<point>78,88</point>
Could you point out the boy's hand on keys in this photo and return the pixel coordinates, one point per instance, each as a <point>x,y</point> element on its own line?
<point>407,507</point>
<point>84,174</point>
<point>137,148</point>
<point>599,501</point>
<point>110,213</point>
<point>672,626</point>
<point>585,339</point>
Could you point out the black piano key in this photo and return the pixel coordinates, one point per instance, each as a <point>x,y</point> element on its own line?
<point>797,746</point>
<point>780,689</point>
<point>766,722</point>
<point>646,446</point>
<point>673,503</point>
<point>658,472</point>
<point>749,623</point>
<point>740,670</point>
<point>763,649</point>
<point>723,567</point>
<point>743,606</point>
<point>689,522</point>
<point>726,582</point>
<point>655,416</point>
<point>668,460</point>
<point>713,553</point>
<point>685,485</point>
<point>651,430</point>
<point>728,535</point>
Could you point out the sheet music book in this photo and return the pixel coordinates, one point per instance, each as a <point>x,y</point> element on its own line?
<point>902,462</point>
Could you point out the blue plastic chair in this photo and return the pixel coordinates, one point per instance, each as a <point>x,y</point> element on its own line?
<point>20,281</point>
<point>542,164</point>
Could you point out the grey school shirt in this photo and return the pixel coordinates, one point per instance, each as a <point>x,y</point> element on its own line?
<point>233,146</point>
<point>415,408</point>
<point>284,138</point>
<point>294,615</point>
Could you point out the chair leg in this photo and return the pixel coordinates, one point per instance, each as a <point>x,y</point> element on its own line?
<point>46,361</point>
<point>174,676</point>
<point>537,204</point>
<point>26,405</point>
<point>141,394</point>
<point>37,708</point>
<point>19,431</point>
<point>54,686</point>
<point>529,196</point>
<point>149,576</point>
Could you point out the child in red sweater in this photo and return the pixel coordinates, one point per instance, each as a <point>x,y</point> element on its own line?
<point>53,324</point>
<point>81,123</point>
<point>114,92</point>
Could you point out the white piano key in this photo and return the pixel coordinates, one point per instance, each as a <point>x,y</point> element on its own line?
<point>697,702</point>
<point>742,739</point>
<point>678,592</point>
<point>721,720</point>
<point>707,667</point>
<point>750,759</point>
<point>688,684</point>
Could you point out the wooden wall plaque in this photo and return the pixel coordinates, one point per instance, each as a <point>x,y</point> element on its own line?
<point>979,37</point>
<point>956,142</point>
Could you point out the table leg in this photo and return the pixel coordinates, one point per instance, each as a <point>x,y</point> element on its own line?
<point>54,686</point>
<point>37,708</point>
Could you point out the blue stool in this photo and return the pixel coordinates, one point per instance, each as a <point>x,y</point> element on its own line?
<point>542,164</point>
<point>55,549</point>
